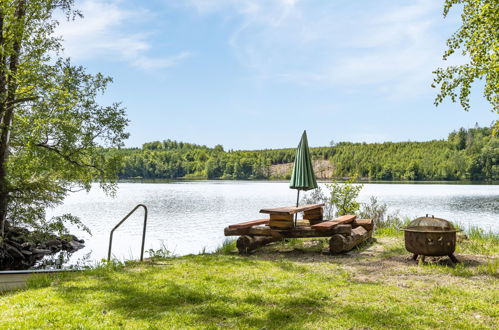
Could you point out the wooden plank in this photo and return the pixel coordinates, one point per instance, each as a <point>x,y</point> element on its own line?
<point>346,218</point>
<point>313,214</point>
<point>367,224</point>
<point>299,232</point>
<point>261,231</point>
<point>236,231</point>
<point>304,232</point>
<point>281,221</point>
<point>249,224</point>
<point>281,224</point>
<point>302,223</point>
<point>285,217</point>
<point>291,209</point>
<point>326,225</point>
<point>314,211</point>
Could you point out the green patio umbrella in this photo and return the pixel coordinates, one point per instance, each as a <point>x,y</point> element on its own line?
<point>303,177</point>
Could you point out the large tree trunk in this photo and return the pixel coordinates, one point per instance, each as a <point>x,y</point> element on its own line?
<point>2,66</point>
<point>8,111</point>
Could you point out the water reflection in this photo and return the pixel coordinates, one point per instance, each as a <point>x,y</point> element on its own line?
<point>65,260</point>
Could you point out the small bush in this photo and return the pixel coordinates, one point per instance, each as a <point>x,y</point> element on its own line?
<point>343,196</point>
<point>378,212</point>
<point>339,199</point>
<point>161,253</point>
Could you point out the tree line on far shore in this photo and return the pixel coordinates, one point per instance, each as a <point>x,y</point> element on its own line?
<point>467,154</point>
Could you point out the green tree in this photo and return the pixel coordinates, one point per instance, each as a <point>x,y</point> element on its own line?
<point>52,129</point>
<point>478,40</point>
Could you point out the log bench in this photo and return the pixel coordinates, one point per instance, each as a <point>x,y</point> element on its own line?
<point>326,225</point>
<point>249,224</point>
<point>346,231</point>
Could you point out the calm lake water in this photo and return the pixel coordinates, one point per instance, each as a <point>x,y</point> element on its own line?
<point>186,217</point>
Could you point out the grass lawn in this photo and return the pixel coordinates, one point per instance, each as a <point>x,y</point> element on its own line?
<point>291,285</point>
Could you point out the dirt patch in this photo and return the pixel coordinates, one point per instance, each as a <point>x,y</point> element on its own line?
<point>323,169</point>
<point>385,260</point>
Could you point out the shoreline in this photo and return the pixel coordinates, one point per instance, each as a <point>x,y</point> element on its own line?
<point>343,180</point>
<point>282,285</point>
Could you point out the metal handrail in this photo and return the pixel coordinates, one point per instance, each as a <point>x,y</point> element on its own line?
<point>143,231</point>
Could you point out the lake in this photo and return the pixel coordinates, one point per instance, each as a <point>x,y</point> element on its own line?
<point>187,217</point>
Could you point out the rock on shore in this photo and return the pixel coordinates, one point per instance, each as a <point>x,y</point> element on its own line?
<point>21,248</point>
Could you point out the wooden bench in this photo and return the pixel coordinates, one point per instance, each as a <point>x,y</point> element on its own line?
<point>327,225</point>
<point>249,224</point>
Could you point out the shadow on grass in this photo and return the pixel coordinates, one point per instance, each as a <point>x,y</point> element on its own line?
<point>318,251</point>
<point>215,291</point>
<point>213,298</point>
<point>202,305</point>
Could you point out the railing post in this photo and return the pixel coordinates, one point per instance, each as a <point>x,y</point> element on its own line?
<point>110,244</point>
<point>119,224</point>
<point>143,234</point>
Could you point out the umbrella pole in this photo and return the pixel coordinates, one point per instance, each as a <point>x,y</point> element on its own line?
<point>297,201</point>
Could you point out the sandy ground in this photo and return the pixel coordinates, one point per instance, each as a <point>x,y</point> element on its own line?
<point>323,169</point>
<point>386,260</point>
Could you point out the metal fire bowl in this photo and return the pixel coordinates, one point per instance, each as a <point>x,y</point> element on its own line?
<point>430,241</point>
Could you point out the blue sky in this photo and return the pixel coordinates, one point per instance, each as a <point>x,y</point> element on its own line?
<point>251,74</point>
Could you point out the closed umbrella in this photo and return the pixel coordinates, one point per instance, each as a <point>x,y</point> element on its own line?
<point>303,177</point>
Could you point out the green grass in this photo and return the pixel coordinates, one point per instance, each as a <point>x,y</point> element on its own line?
<point>228,246</point>
<point>270,289</point>
<point>480,242</point>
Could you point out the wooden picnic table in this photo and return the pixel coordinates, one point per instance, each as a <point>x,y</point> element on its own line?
<point>280,224</point>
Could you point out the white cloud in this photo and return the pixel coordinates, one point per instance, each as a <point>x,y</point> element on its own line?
<point>392,47</point>
<point>155,63</point>
<point>103,33</point>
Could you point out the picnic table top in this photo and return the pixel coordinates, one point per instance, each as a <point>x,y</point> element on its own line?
<point>291,209</point>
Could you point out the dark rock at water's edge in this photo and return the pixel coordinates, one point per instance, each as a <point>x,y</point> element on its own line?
<point>23,249</point>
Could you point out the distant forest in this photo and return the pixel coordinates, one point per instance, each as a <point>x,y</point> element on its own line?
<point>467,154</point>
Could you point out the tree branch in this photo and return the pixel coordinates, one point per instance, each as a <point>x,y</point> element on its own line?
<point>21,100</point>
<point>68,158</point>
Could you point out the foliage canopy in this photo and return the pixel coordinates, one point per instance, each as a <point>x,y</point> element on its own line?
<point>467,154</point>
<point>478,40</point>
<point>52,129</point>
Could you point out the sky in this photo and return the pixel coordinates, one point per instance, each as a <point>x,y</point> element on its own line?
<point>253,74</point>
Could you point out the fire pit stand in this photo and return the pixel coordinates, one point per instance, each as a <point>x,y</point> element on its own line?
<point>430,236</point>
